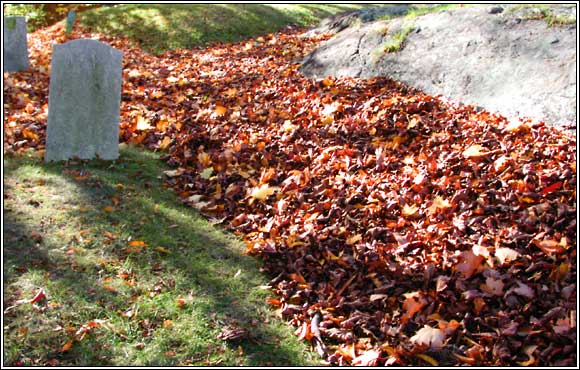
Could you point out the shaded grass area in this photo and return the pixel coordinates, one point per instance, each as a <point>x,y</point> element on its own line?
<point>107,242</point>
<point>161,27</point>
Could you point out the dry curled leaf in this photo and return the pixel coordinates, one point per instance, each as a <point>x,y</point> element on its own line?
<point>429,336</point>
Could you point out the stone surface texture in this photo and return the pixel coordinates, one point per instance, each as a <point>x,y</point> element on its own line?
<point>15,45</point>
<point>506,62</point>
<point>84,101</point>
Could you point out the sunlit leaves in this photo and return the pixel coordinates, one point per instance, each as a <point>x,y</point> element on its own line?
<point>368,358</point>
<point>409,210</point>
<point>220,110</point>
<point>262,192</point>
<point>206,174</point>
<point>429,336</point>
<point>439,204</point>
<point>143,124</point>
<point>505,255</point>
<point>550,247</point>
<point>400,218</point>
<point>475,151</point>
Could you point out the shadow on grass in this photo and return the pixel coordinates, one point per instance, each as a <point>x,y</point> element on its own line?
<point>170,26</point>
<point>180,261</point>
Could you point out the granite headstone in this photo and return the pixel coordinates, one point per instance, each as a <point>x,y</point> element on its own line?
<point>15,45</point>
<point>84,101</point>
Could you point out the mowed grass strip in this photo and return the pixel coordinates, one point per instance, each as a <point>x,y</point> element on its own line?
<point>162,27</point>
<point>130,276</point>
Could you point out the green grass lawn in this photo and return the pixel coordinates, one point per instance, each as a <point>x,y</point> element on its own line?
<point>161,27</point>
<point>161,300</point>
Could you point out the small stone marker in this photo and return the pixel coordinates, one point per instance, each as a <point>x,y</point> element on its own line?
<point>15,45</point>
<point>84,101</point>
<point>70,21</point>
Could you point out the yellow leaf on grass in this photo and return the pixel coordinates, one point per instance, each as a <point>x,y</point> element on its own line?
<point>167,324</point>
<point>109,209</point>
<point>162,250</point>
<point>263,192</point>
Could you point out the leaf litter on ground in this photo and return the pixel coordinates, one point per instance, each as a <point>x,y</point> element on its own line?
<point>384,213</point>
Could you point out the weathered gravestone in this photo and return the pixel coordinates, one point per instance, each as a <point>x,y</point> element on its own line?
<point>84,101</point>
<point>70,21</point>
<point>15,45</point>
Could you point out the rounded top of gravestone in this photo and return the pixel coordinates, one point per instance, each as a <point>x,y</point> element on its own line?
<point>81,44</point>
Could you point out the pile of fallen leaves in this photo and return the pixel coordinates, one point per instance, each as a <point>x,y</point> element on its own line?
<point>401,229</point>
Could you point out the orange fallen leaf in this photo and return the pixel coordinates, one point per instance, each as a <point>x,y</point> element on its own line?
<point>469,263</point>
<point>67,346</point>
<point>220,110</point>
<point>413,303</point>
<point>137,243</point>
<point>328,81</point>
